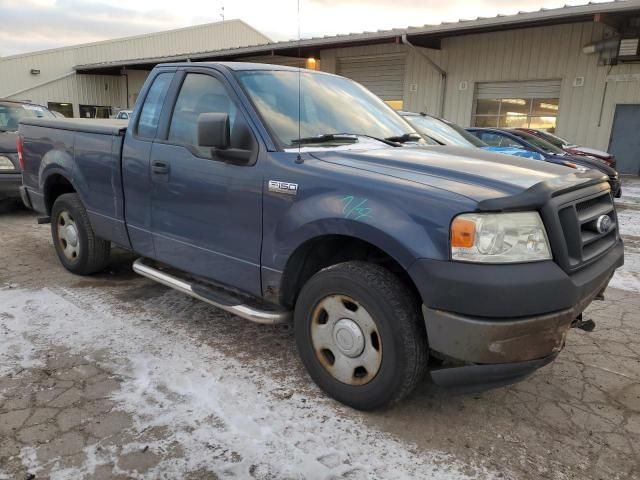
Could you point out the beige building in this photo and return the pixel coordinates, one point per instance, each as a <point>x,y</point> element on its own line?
<point>572,70</point>
<point>49,77</point>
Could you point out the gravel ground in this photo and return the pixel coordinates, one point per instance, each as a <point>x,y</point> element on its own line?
<point>113,376</point>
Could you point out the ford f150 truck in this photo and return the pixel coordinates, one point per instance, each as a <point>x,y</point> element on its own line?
<point>277,194</point>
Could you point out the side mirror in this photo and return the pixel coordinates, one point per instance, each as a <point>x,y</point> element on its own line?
<point>214,131</point>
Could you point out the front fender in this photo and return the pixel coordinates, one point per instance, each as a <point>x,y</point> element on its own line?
<point>384,224</point>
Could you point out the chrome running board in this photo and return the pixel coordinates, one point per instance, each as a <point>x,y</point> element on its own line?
<point>216,297</point>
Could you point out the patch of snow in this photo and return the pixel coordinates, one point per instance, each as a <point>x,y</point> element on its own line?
<point>630,191</point>
<point>226,417</point>
<point>16,352</point>
<point>627,277</point>
<point>629,221</point>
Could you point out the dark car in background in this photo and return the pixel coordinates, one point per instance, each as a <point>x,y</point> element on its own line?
<point>572,148</point>
<point>438,131</point>
<point>509,137</point>
<point>11,112</point>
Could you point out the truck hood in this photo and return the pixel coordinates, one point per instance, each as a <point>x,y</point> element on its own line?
<point>470,172</point>
<point>8,142</point>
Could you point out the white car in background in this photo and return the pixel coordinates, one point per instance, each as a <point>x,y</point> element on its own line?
<point>124,114</point>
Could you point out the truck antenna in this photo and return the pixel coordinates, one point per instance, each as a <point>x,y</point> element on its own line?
<point>299,157</point>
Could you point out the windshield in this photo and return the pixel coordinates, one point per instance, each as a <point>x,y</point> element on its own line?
<point>12,113</point>
<point>538,142</point>
<point>328,105</point>
<point>553,139</point>
<point>444,132</point>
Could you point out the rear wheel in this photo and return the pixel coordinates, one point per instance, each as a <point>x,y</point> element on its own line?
<point>79,250</point>
<point>360,335</point>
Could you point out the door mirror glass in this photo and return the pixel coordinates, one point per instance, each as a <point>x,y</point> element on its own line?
<point>213,130</point>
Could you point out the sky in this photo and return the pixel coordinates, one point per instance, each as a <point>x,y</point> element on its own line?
<point>31,25</point>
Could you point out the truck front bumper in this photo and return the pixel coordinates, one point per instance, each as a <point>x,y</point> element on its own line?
<point>521,315</point>
<point>10,185</point>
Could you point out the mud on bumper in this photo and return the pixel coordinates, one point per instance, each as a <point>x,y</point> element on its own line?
<point>493,350</point>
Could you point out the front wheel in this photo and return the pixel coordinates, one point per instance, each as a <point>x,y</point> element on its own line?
<point>78,248</point>
<point>360,335</point>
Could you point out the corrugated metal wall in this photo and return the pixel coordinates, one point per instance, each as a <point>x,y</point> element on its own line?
<point>16,81</point>
<point>418,72</point>
<point>382,74</point>
<point>105,90</point>
<point>541,53</point>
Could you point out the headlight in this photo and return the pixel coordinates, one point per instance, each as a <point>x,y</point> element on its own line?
<point>6,163</point>
<point>499,238</point>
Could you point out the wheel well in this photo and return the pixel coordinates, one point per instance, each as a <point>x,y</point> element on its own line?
<point>322,252</point>
<point>55,186</point>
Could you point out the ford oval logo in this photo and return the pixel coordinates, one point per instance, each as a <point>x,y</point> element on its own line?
<point>603,224</point>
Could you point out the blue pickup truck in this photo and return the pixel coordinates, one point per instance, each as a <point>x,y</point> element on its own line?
<point>285,195</point>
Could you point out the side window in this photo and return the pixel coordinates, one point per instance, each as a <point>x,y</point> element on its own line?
<point>150,114</point>
<point>508,142</point>
<point>199,94</point>
<point>492,139</point>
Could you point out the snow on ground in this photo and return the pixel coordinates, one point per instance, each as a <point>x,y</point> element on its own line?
<point>630,191</point>
<point>211,403</point>
<point>628,208</point>
<point>627,277</point>
<point>629,220</point>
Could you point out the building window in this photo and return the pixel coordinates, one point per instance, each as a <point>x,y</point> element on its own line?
<point>539,113</point>
<point>95,111</point>
<point>65,109</point>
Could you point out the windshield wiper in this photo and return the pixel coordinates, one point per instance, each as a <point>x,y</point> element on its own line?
<point>340,137</point>
<point>405,137</point>
<point>325,138</point>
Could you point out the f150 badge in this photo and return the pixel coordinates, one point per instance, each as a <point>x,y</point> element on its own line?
<point>287,188</point>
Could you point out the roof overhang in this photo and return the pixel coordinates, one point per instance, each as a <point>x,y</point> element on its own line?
<point>428,36</point>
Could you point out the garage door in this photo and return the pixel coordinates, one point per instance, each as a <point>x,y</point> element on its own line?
<point>382,74</point>
<point>533,104</point>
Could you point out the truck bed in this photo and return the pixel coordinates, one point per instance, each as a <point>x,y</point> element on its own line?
<point>91,149</point>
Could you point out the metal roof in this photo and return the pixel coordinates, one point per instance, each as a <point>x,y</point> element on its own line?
<point>426,35</point>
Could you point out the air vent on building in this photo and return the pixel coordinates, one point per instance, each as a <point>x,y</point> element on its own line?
<point>628,48</point>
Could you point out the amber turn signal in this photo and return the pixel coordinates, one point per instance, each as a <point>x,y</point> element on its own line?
<point>463,233</point>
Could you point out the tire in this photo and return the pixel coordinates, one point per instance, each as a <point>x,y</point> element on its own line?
<point>78,249</point>
<point>397,364</point>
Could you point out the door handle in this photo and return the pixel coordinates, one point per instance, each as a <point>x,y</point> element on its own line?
<point>160,167</point>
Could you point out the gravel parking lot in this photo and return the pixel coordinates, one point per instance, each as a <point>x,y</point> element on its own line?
<point>114,376</point>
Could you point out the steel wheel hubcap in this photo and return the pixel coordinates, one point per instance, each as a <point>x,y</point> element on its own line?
<point>348,337</point>
<point>345,339</point>
<point>68,236</point>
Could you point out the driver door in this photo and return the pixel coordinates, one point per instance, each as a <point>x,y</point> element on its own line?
<point>206,213</point>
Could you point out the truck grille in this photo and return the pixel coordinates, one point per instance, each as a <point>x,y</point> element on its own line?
<point>579,220</point>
